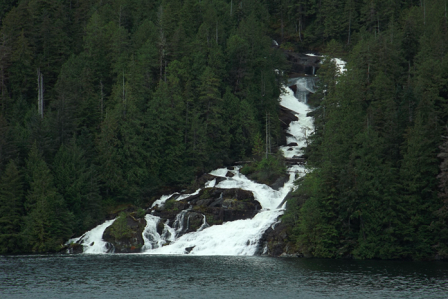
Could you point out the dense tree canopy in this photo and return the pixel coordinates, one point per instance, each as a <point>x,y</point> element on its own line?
<point>140,95</point>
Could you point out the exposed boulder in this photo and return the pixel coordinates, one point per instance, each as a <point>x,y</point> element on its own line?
<point>280,182</point>
<point>216,204</point>
<point>72,248</point>
<point>125,234</point>
<point>302,64</point>
<point>200,182</point>
<point>276,242</point>
<point>220,205</point>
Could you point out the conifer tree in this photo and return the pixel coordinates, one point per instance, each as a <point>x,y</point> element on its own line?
<point>11,210</point>
<point>47,223</point>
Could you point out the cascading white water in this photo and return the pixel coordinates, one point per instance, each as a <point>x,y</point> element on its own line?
<point>241,237</point>
<point>150,235</point>
<point>204,224</point>
<point>161,201</point>
<point>304,86</point>
<point>298,130</point>
<point>181,224</point>
<point>92,241</point>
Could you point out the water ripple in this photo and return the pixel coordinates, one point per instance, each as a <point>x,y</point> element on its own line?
<point>126,276</point>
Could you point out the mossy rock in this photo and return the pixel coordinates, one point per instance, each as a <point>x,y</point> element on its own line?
<point>125,234</point>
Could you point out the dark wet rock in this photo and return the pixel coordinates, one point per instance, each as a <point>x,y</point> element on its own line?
<point>292,144</point>
<point>160,227</point>
<point>290,149</point>
<point>220,205</point>
<point>190,198</point>
<point>216,203</point>
<point>302,64</point>
<point>280,182</point>
<point>194,221</point>
<point>170,209</point>
<point>230,174</point>
<point>236,193</point>
<point>188,250</point>
<point>312,113</point>
<point>286,116</point>
<point>200,182</point>
<point>203,179</point>
<point>276,242</point>
<point>204,202</point>
<point>72,248</point>
<point>219,180</point>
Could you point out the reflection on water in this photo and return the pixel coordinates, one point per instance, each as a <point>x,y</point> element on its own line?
<point>126,276</point>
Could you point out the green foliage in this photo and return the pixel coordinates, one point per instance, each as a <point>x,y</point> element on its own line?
<point>247,169</point>
<point>48,222</point>
<point>267,171</point>
<point>140,213</point>
<point>169,204</point>
<point>374,149</point>
<point>205,194</point>
<point>78,184</point>
<point>11,210</point>
<point>258,150</point>
<point>120,229</point>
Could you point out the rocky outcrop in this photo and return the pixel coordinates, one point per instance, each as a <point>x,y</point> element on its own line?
<point>302,64</point>
<point>73,248</point>
<point>277,243</point>
<point>286,116</point>
<point>217,205</point>
<point>125,235</point>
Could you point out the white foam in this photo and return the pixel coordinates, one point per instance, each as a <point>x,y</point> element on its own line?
<point>92,241</point>
<point>238,237</point>
<point>300,129</point>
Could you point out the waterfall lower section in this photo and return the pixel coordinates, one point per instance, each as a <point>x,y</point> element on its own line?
<point>92,241</point>
<point>151,236</point>
<point>239,237</point>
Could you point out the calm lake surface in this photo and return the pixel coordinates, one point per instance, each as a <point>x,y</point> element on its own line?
<point>149,276</point>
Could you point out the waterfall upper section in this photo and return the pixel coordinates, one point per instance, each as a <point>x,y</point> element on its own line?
<point>298,131</point>
<point>302,87</point>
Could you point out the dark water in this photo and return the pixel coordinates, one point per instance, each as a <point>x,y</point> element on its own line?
<point>143,276</point>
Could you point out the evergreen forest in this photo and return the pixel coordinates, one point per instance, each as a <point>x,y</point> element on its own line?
<point>113,102</point>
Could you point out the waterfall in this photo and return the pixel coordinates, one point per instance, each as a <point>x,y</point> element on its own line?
<point>298,131</point>
<point>304,86</point>
<point>181,224</point>
<point>241,237</point>
<point>204,224</point>
<point>92,241</point>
